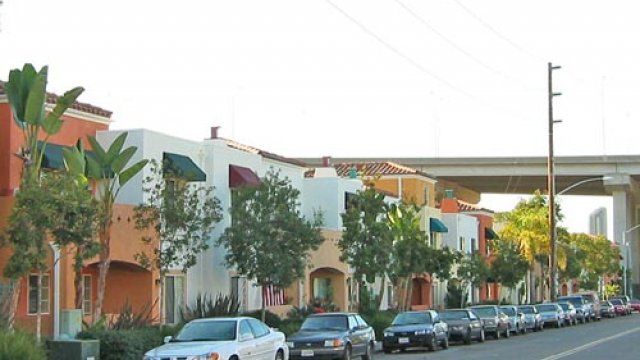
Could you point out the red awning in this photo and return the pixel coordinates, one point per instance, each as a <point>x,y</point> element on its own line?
<point>240,176</point>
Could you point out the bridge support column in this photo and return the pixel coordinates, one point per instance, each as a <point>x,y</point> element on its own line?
<point>625,194</point>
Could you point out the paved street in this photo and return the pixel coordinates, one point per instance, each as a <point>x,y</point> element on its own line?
<point>612,339</point>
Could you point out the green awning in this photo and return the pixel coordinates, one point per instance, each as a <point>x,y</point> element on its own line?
<point>490,234</point>
<point>437,226</point>
<point>180,166</point>
<point>52,157</point>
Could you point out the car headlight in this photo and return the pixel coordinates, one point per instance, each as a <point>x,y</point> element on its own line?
<point>490,322</point>
<point>290,344</point>
<point>422,332</point>
<point>333,343</point>
<point>388,334</point>
<point>207,356</point>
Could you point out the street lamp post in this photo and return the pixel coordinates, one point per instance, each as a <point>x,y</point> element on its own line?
<point>626,257</point>
<point>554,272</point>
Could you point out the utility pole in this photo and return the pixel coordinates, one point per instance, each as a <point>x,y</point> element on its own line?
<point>551,186</point>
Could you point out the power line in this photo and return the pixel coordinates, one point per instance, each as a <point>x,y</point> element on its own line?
<point>398,52</point>
<point>496,32</point>
<point>459,48</point>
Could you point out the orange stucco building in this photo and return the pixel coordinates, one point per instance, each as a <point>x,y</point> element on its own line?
<point>126,279</point>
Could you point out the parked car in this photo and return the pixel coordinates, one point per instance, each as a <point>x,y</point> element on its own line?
<point>332,335</point>
<point>551,314</point>
<point>606,309</point>
<point>495,321</point>
<point>583,310</point>
<point>570,315</point>
<point>625,301</point>
<point>635,305</point>
<point>619,307</point>
<point>532,318</point>
<point>416,329</point>
<point>516,319</point>
<point>464,325</point>
<point>592,299</point>
<point>223,338</point>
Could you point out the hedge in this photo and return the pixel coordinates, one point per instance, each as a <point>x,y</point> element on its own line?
<point>124,344</point>
<point>19,345</point>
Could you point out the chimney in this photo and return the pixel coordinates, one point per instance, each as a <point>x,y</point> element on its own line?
<point>449,203</point>
<point>326,161</point>
<point>214,132</point>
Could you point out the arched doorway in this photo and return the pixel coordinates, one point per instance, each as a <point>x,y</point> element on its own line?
<point>327,286</point>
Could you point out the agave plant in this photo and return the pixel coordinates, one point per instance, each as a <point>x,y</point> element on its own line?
<point>206,307</point>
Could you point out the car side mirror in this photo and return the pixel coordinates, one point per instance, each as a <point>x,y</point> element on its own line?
<point>167,339</point>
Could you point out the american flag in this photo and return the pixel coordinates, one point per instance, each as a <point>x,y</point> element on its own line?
<point>272,295</point>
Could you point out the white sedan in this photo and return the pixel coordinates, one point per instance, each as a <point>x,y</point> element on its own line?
<point>237,338</point>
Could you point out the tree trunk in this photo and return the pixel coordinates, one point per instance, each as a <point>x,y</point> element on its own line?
<point>77,283</point>
<point>532,285</point>
<point>263,313</point>
<point>383,283</point>
<point>161,299</point>
<point>13,303</point>
<point>409,296</point>
<point>103,270</point>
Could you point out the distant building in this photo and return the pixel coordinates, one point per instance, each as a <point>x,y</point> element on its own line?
<point>598,222</point>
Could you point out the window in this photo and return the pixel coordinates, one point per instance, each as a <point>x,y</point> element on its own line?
<point>426,195</point>
<point>259,329</point>
<point>322,288</point>
<point>474,245</point>
<point>173,298</point>
<point>361,321</point>
<point>86,294</point>
<point>33,294</point>
<point>461,244</point>
<point>348,197</point>
<point>390,296</point>
<point>239,290</point>
<point>352,322</point>
<point>245,330</point>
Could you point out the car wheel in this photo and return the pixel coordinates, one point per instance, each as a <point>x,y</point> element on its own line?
<point>445,343</point>
<point>507,332</point>
<point>517,332</point>
<point>279,355</point>
<point>481,335</point>
<point>497,334</point>
<point>386,350</point>
<point>433,343</point>
<point>467,337</point>
<point>368,354</point>
<point>524,329</point>
<point>347,353</point>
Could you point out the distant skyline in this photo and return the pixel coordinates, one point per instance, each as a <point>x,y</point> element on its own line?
<point>347,78</point>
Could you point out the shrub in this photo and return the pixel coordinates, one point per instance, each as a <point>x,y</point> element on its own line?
<point>127,319</point>
<point>19,345</point>
<point>206,307</point>
<point>379,321</point>
<point>124,344</point>
<point>270,318</point>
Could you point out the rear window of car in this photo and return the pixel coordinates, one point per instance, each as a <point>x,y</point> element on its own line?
<point>575,300</point>
<point>547,308</point>
<point>454,315</point>
<point>485,311</point>
<point>616,302</point>
<point>509,311</point>
<point>526,310</point>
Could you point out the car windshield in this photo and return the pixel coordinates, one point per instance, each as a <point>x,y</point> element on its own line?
<point>575,300</point>
<point>322,323</point>
<point>616,301</point>
<point>526,310</point>
<point>219,330</point>
<point>485,311</point>
<point>509,311</point>
<point>564,306</point>
<point>547,307</point>
<point>453,315</point>
<point>409,318</point>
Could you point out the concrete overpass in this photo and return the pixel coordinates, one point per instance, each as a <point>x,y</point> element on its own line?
<point>523,175</point>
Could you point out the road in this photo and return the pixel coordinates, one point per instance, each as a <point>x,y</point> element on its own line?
<point>611,339</point>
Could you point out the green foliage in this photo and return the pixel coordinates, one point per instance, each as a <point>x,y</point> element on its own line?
<point>508,266</point>
<point>128,319</point>
<point>182,217</point>
<point>269,240</point>
<point>19,345</point>
<point>367,238</point>
<point>379,320</point>
<point>206,307</point>
<point>271,319</point>
<point>124,344</point>
<point>454,295</point>
<point>473,270</point>
<point>289,327</point>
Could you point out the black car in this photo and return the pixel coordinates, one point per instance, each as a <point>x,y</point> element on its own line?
<point>464,325</point>
<point>416,329</point>
<point>495,320</point>
<point>332,336</point>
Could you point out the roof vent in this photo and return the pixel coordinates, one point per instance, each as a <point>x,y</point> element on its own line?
<point>448,194</point>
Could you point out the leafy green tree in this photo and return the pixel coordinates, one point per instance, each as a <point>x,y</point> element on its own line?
<point>598,257</point>
<point>108,169</point>
<point>367,240</point>
<point>527,225</point>
<point>182,216</point>
<point>472,271</point>
<point>507,265</point>
<point>269,240</point>
<point>26,93</point>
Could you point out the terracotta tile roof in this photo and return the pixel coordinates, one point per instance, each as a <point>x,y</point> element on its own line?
<point>382,168</point>
<point>250,149</point>
<point>467,207</point>
<point>84,107</point>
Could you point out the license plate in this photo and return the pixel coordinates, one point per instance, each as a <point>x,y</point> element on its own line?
<point>306,353</point>
<point>403,340</point>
